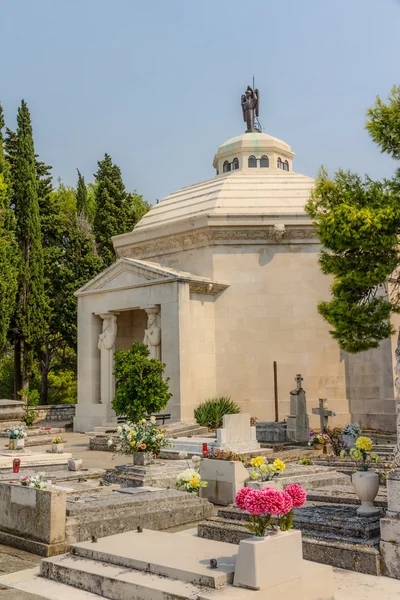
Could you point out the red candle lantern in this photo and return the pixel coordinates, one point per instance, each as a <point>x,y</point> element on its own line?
<point>16,465</point>
<point>205,450</point>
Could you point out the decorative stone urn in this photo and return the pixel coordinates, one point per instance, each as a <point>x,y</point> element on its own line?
<point>16,444</point>
<point>142,459</point>
<point>57,448</point>
<point>366,486</point>
<point>75,464</point>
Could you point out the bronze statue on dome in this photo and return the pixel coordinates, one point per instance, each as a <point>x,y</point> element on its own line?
<point>250,105</point>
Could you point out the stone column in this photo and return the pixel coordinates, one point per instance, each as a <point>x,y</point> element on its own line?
<point>106,346</point>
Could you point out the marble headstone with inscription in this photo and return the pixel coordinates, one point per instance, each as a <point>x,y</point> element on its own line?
<point>236,434</point>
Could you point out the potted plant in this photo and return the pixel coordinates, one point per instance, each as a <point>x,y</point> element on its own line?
<point>271,518</point>
<point>16,438</point>
<point>142,440</point>
<point>365,482</point>
<point>350,433</point>
<point>264,474</point>
<point>57,445</point>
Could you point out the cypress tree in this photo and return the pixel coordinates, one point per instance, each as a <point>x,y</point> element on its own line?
<point>111,208</point>
<point>8,246</point>
<point>81,195</point>
<point>31,305</point>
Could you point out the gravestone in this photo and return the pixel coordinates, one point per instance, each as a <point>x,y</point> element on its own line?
<point>298,426</point>
<point>323,413</point>
<point>271,432</point>
<point>236,434</point>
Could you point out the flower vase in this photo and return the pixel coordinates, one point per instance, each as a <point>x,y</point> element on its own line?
<point>366,486</point>
<point>57,448</point>
<point>349,440</point>
<point>20,443</point>
<point>11,444</point>
<point>142,459</point>
<point>319,447</point>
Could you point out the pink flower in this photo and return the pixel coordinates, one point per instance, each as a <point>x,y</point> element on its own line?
<point>255,502</point>
<point>240,497</point>
<point>297,494</point>
<point>287,503</point>
<point>274,501</point>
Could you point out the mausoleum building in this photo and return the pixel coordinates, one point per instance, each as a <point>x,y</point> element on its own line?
<point>220,279</point>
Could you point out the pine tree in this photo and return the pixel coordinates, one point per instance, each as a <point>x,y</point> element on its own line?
<point>112,208</point>
<point>8,246</point>
<point>81,196</point>
<point>30,320</point>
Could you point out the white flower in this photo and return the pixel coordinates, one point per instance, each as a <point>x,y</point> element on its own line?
<point>253,475</point>
<point>183,454</point>
<point>152,420</point>
<point>196,459</point>
<point>110,442</point>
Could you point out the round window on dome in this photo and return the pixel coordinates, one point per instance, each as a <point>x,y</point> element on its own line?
<point>252,162</point>
<point>264,162</point>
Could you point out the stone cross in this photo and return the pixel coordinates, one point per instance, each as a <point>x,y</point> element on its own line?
<point>298,380</point>
<point>323,413</point>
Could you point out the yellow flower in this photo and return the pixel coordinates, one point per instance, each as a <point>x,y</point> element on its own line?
<point>364,443</point>
<point>279,464</point>
<point>194,481</point>
<point>263,468</point>
<point>132,444</point>
<point>257,461</point>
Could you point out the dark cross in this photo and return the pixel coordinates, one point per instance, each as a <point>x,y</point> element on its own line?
<point>323,413</point>
<point>298,379</point>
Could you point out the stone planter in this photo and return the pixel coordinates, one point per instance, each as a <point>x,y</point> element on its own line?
<point>260,485</point>
<point>224,477</point>
<point>16,444</point>
<point>277,551</point>
<point>74,464</point>
<point>349,440</point>
<point>366,486</point>
<point>319,447</point>
<point>57,448</point>
<point>142,458</point>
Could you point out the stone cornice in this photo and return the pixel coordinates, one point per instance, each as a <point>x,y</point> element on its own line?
<point>219,236</point>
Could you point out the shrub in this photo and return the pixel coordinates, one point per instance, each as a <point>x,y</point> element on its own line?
<point>210,413</point>
<point>141,388</point>
<point>305,461</point>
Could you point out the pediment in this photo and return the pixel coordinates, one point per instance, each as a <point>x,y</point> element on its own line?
<point>123,273</point>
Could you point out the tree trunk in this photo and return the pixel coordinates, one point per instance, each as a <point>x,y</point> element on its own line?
<point>17,368</point>
<point>44,375</point>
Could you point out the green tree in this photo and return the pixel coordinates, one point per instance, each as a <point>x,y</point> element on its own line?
<point>8,246</point>
<point>84,198</point>
<point>116,211</point>
<point>141,388</point>
<point>31,312</point>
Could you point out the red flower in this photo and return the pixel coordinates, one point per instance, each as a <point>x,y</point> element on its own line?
<point>255,502</point>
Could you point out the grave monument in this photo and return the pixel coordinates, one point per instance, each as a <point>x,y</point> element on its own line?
<point>298,426</point>
<point>221,279</point>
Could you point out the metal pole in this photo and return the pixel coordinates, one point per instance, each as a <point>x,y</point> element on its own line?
<point>276,392</point>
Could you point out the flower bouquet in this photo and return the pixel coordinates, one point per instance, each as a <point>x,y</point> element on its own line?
<point>140,437</point>
<point>38,481</point>
<point>318,439</point>
<point>361,454</point>
<point>270,508</point>
<point>17,433</point>
<point>352,429</point>
<point>190,481</point>
<point>263,471</point>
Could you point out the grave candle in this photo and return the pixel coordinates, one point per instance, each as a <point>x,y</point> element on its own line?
<point>205,450</point>
<point>16,465</point>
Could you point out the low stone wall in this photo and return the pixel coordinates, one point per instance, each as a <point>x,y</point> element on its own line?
<point>55,412</point>
<point>33,520</point>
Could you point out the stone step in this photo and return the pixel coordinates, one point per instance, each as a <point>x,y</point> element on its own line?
<point>187,558</point>
<point>339,494</point>
<point>109,581</point>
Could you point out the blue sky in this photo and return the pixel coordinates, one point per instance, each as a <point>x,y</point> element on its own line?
<point>157,84</point>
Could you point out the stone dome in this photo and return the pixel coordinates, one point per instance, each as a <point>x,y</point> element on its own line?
<point>258,188</point>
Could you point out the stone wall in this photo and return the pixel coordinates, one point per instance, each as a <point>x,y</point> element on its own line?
<point>55,412</point>
<point>32,520</point>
